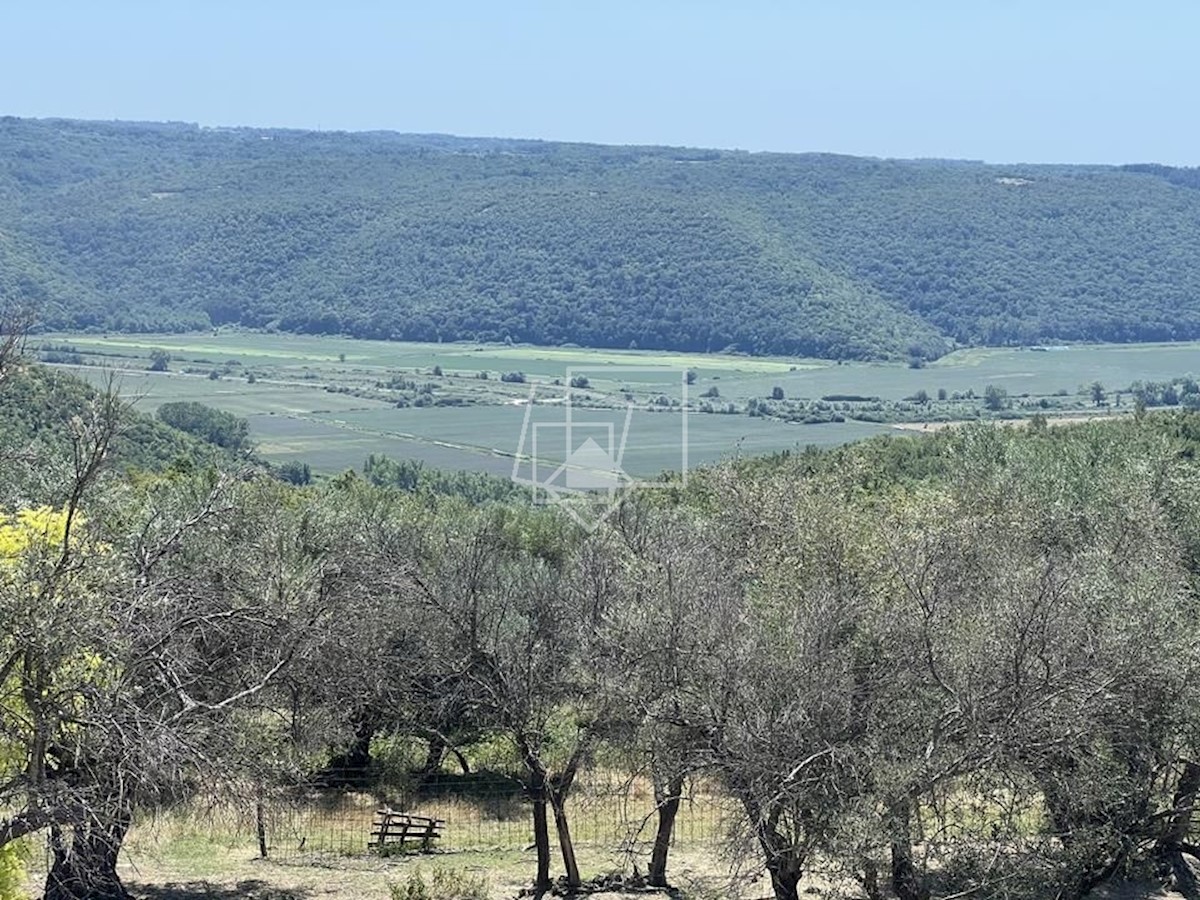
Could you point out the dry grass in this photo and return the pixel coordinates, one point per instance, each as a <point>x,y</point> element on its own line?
<point>184,869</point>
<point>319,848</point>
<point>174,863</point>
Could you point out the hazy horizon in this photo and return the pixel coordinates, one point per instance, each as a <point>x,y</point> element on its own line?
<point>1017,82</point>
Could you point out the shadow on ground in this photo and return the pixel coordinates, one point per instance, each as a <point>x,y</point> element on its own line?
<point>252,889</point>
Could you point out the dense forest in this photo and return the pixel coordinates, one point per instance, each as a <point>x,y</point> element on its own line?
<point>955,665</point>
<point>133,226</point>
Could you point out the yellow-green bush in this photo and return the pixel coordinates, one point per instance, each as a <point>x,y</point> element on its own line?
<point>12,871</point>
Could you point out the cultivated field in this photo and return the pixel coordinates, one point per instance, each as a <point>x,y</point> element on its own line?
<point>327,401</point>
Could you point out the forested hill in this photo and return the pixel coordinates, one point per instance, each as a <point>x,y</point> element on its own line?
<point>149,227</point>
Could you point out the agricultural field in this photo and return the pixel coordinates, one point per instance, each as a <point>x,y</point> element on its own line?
<point>331,402</point>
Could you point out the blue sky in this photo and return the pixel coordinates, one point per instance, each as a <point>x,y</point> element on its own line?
<point>1004,81</point>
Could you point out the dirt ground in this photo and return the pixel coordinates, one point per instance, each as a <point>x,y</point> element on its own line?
<point>348,880</point>
<point>264,880</point>
<point>235,874</point>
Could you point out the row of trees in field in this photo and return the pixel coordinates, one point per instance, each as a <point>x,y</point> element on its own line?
<point>963,665</point>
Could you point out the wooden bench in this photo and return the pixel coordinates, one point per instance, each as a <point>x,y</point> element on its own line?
<point>396,829</point>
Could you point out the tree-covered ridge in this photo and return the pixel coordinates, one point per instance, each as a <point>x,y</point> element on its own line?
<point>148,227</point>
<point>42,407</point>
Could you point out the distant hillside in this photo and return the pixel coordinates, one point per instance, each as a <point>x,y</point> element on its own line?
<point>150,227</point>
<point>39,407</point>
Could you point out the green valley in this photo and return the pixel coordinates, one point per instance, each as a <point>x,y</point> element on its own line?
<point>332,402</point>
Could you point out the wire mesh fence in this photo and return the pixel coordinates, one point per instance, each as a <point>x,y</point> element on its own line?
<point>485,812</point>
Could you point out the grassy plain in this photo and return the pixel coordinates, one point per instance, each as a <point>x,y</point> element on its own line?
<point>324,400</point>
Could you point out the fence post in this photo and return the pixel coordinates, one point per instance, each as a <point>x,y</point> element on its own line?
<point>260,823</point>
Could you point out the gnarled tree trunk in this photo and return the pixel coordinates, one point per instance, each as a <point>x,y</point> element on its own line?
<point>351,767</point>
<point>1173,842</point>
<point>1187,792</point>
<point>906,880</point>
<point>784,861</point>
<point>785,871</point>
<point>434,755</point>
<point>84,864</point>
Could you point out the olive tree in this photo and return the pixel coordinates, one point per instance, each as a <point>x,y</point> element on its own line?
<point>505,608</point>
<point>1038,610</point>
<point>788,696</point>
<point>374,670</point>
<point>140,617</point>
<point>673,581</point>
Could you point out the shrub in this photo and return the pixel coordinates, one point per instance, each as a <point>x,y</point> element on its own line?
<point>413,889</point>
<point>443,884</point>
